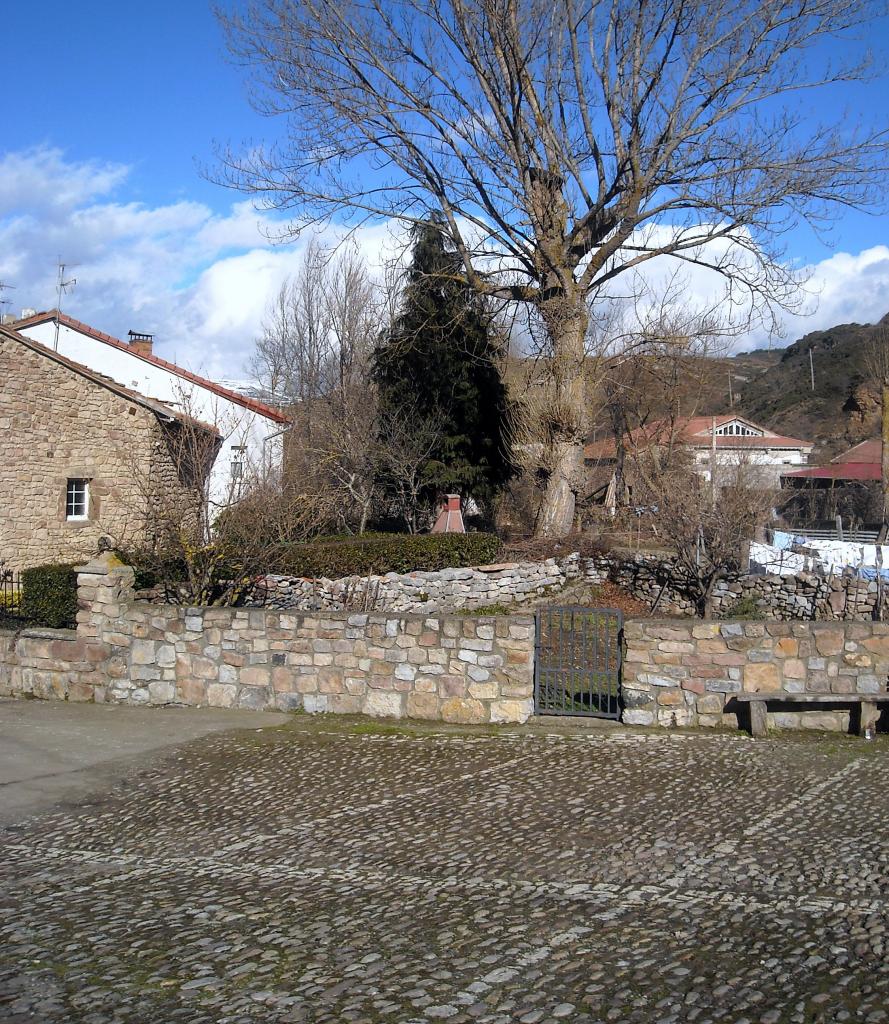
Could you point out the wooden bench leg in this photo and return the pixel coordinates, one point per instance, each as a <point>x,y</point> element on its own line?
<point>758,718</point>
<point>867,715</point>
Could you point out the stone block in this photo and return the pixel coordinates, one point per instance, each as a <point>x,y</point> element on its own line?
<point>705,630</point>
<point>143,652</point>
<point>511,711</point>
<point>423,705</point>
<point>671,718</point>
<point>710,703</point>
<point>670,698</point>
<point>161,692</point>
<point>463,711</point>
<point>451,686</point>
<point>254,698</point>
<point>829,642</point>
<point>636,716</point>
<point>191,691</point>
<point>761,677</point>
<point>382,704</point>
<point>794,668</point>
<point>344,704</point>
<point>255,675</point>
<point>315,703</point>
<point>221,695</point>
<point>288,701</point>
<point>484,691</point>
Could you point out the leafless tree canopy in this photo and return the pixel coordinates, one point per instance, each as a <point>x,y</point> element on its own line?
<point>562,142</point>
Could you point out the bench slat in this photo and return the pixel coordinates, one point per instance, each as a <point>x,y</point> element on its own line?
<point>813,698</point>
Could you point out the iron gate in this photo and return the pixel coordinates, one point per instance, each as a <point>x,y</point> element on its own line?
<point>577,662</point>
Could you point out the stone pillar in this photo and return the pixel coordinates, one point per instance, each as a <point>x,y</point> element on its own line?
<point>104,590</point>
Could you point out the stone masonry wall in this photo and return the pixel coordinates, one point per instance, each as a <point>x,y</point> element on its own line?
<point>57,425</point>
<point>468,670</point>
<point>683,673</point>
<point>649,578</point>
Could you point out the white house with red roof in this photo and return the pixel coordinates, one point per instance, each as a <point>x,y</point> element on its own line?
<point>722,441</point>
<point>252,431</point>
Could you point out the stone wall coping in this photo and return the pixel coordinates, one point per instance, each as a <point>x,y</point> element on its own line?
<point>522,619</point>
<point>45,633</point>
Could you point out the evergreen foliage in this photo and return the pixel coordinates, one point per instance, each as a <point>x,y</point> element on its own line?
<point>438,367</point>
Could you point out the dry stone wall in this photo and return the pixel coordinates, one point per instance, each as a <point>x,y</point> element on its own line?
<point>649,578</point>
<point>467,670</point>
<point>686,674</point>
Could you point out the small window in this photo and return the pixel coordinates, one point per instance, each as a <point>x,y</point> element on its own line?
<point>77,499</point>
<point>238,451</point>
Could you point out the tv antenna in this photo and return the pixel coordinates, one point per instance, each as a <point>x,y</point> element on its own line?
<point>62,288</point>
<point>5,302</point>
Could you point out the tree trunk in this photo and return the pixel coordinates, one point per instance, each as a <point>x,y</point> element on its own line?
<point>566,321</point>
<point>884,453</point>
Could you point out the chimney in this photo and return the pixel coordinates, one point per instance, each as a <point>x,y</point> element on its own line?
<point>8,318</point>
<point>140,343</point>
<point>450,518</point>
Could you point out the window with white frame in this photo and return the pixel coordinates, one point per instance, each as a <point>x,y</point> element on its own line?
<point>77,499</point>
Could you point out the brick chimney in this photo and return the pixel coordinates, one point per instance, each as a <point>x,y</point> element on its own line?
<point>141,343</point>
<point>450,518</point>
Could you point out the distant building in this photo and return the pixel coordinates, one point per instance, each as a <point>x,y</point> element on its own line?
<point>721,442</point>
<point>860,464</point>
<point>84,457</point>
<point>252,431</point>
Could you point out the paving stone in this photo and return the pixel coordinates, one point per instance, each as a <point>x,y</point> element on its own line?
<point>319,874</point>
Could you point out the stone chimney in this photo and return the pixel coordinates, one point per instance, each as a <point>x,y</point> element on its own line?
<point>141,343</point>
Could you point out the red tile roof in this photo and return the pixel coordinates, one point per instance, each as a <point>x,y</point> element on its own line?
<point>76,325</point>
<point>694,432</point>
<point>867,451</point>
<point>839,471</point>
<point>861,462</point>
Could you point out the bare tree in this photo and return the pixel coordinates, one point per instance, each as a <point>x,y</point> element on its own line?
<point>409,437</point>
<point>315,355</point>
<point>563,143</point>
<point>708,532</point>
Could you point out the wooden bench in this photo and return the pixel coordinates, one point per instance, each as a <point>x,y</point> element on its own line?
<point>867,705</point>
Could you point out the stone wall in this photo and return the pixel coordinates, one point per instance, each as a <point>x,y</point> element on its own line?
<point>682,673</point>
<point>649,578</point>
<point>469,670</point>
<point>58,424</point>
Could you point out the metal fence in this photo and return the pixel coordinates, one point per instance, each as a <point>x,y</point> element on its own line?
<point>10,597</point>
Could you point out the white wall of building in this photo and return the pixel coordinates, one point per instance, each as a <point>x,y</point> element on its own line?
<point>253,440</point>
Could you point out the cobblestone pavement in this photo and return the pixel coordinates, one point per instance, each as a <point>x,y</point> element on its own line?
<point>322,872</point>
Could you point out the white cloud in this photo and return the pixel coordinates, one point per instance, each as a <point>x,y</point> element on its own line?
<point>201,280</point>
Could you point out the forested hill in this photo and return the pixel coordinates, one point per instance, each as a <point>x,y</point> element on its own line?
<point>843,407</point>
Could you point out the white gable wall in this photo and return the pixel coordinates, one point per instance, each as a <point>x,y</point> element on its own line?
<point>240,427</point>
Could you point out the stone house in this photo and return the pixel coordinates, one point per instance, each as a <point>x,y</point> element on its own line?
<point>253,432</point>
<point>83,457</point>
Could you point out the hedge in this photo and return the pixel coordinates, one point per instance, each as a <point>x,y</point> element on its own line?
<point>49,596</point>
<point>377,554</point>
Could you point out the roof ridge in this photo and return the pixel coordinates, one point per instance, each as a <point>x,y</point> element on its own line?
<point>78,325</point>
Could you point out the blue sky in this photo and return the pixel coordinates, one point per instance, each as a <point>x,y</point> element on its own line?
<point>109,109</point>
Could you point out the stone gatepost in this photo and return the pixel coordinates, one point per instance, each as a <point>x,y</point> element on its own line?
<point>104,590</point>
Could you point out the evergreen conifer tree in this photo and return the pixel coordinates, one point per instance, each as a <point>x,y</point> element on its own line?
<point>439,365</point>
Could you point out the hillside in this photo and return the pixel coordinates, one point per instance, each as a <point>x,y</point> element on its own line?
<point>840,411</point>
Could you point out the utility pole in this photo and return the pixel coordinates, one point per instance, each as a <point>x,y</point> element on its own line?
<point>811,369</point>
<point>62,287</point>
<point>731,397</point>
<point>713,462</point>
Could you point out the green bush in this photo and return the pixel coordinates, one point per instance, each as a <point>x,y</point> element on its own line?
<point>49,596</point>
<point>377,554</point>
<point>744,608</point>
